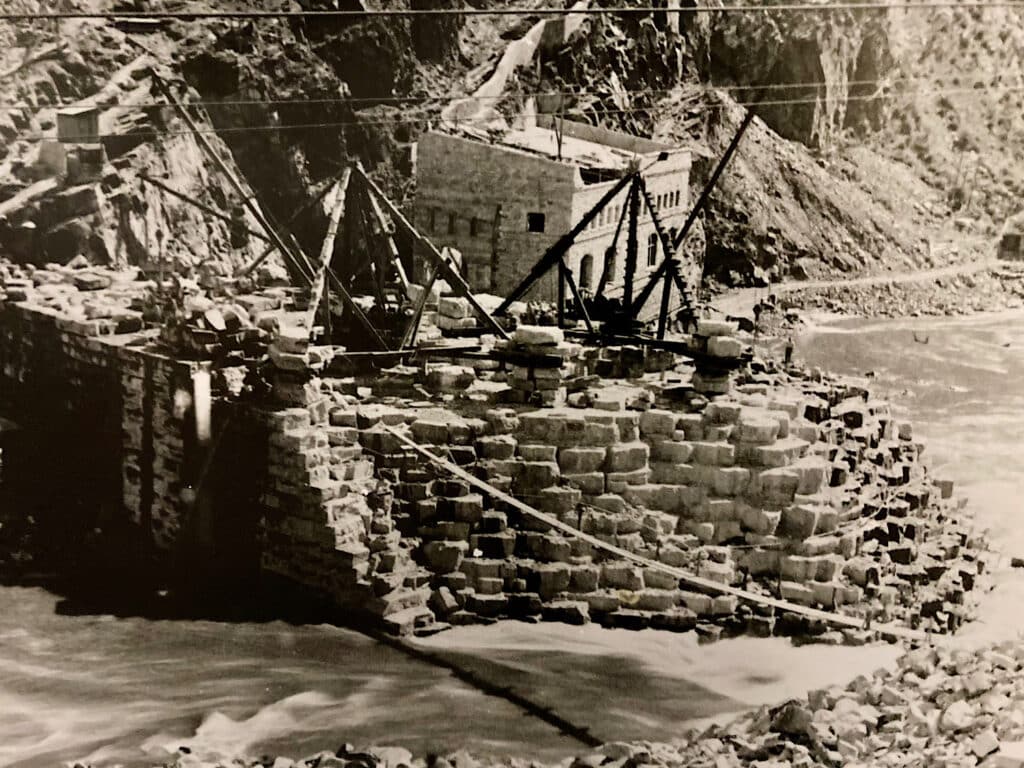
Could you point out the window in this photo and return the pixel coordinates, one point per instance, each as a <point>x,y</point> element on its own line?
<point>474,226</point>
<point>609,260</point>
<point>451,223</point>
<point>535,222</point>
<point>586,272</point>
<point>432,219</point>
<point>652,249</point>
<point>678,197</point>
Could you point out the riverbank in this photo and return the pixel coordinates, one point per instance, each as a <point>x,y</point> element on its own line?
<point>939,707</point>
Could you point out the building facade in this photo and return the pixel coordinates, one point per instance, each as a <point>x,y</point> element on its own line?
<point>503,202</point>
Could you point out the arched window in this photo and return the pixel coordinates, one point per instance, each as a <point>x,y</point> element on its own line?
<point>586,282</point>
<point>652,249</point>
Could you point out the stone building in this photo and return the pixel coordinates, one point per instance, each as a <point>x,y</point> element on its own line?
<point>502,200</point>
<point>1011,241</point>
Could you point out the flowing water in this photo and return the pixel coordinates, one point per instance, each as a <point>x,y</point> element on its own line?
<point>127,690</point>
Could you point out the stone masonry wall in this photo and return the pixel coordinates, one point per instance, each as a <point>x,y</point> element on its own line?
<point>103,438</point>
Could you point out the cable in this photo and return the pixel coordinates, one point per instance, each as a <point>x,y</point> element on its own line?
<point>521,12</point>
<point>682,90</point>
<point>484,119</point>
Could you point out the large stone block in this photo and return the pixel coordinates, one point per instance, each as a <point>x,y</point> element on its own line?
<point>567,611</point>
<point>582,459</point>
<point>556,500</point>
<point>537,452</point>
<point>496,447</point>
<point>718,453</point>
<point>655,423</point>
<point>617,482</point>
<point>758,431</point>
<point>757,520</point>
<point>590,483</point>
<point>535,475</point>
<point>799,521</point>
<point>552,579</point>
<point>584,578</point>
<point>444,556</point>
<point>671,451</point>
<point>775,487</point>
<point>538,335</point>
<point>663,472</point>
<point>626,457</point>
<point>622,576</point>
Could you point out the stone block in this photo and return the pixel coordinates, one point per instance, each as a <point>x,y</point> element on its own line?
<point>442,602</point>
<point>582,459</point>
<point>556,500</point>
<point>444,556</point>
<point>617,482</point>
<point>663,472</point>
<point>466,509</point>
<point>552,579</point>
<point>775,487</point>
<point>496,545</point>
<point>727,530</point>
<point>724,346</point>
<point>729,481</point>
<point>537,452</point>
<point>589,483</point>
<point>800,594</point>
<point>584,578</point>
<point>622,576</point>
<point>490,606</point>
<point>656,599</point>
<point>757,520</point>
<point>657,579</point>
<point>699,604</point>
<point>671,451</point>
<point>675,620</point>
<point>709,327</point>
<point>602,602</point>
<point>538,335</point>
<point>758,431</point>
<point>626,457</point>
<point>496,447</point>
<point>715,454</point>
<point>655,423</point>
<point>535,475</point>
<point>723,412</point>
<point>567,611</point>
<point>799,521</point>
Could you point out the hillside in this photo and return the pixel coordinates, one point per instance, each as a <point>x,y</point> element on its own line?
<point>841,182</point>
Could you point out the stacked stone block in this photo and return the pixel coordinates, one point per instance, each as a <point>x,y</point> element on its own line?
<point>544,367</point>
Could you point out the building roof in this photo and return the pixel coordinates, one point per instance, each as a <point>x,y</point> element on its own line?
<point>582,145</point>
<point>544,141</point>
<point>76,111</point>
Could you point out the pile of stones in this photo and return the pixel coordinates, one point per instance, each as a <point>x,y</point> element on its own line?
<point>543,366</point>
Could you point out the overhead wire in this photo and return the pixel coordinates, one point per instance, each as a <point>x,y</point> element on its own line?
<point>376,100</point>
<point>487,119</point>
<point>791,7</point>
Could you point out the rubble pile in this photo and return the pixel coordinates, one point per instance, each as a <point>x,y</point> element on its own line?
<point>985,291</point>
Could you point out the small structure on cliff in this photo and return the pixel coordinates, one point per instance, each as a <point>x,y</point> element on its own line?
<point>1011,241</point>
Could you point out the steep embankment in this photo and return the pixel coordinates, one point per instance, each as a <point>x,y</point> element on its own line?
<point>863,172</point>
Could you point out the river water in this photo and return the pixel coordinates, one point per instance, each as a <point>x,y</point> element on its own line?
<point>127,690</point>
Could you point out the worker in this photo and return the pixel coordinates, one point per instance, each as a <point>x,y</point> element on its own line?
<point>789,351</point>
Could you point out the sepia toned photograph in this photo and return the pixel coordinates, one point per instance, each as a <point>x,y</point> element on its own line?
<point>511,383</point>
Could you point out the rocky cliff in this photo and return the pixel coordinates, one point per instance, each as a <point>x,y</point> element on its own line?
<point>904,144</point>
